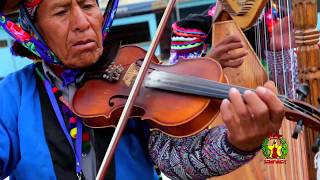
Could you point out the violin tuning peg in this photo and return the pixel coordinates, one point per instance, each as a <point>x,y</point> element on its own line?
<point>316,145</point>
<point>297,130</point>
<point>303,91</point>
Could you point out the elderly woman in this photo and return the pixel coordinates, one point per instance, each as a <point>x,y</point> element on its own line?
<point>42,139</point>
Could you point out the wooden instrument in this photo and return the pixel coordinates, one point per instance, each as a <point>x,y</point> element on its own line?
<point>133,93</point>
<point>244,12</point>
<point>250,74</point>
<point>188,82</point>
<point>307,39</point>
<point>299,163</point>
<point>180,100</point>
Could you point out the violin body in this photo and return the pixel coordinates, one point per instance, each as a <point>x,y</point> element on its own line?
<point>100,103</point>
<point>180,100</point>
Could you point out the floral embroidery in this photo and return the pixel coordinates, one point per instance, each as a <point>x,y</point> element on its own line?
<point>202,156</point>
<point>31,6</point>
<point>18,32</point>
<point>32,48</point>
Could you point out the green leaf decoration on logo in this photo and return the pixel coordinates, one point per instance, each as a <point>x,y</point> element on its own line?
<point>284,149</point>
<point>265,150</point>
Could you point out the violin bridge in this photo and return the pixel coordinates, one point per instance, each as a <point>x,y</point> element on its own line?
<point>130,75</point>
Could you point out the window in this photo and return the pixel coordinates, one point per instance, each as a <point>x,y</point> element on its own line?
<point>3,43</point>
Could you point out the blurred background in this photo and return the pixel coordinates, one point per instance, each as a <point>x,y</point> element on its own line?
<point>136,22</point>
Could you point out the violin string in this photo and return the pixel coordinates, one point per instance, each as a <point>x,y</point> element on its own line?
<point>226,88</point>
<point>182,80</point>
<point>223,93</point>
<point>215,86</point>
<point>174,86</point>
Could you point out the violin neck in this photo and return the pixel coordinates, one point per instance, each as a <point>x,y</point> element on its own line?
<point>202,87</point>
<point>192,85</point>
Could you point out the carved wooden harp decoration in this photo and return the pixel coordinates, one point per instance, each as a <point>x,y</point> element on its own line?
<point>233,16</point>
<point>307,39</point>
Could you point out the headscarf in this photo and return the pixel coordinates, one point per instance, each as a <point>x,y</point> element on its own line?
<point>35,43</point>
<point>31,6</point>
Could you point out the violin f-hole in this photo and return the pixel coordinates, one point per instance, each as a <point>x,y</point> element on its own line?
<point>111,104</point>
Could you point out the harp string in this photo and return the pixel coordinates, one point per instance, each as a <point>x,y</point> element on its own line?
<point>284,73</point>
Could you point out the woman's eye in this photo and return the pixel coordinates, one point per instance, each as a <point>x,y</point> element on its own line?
<point>60,13</point>
<point>87,6</point>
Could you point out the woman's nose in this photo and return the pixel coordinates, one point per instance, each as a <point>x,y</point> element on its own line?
<point>79,20</point>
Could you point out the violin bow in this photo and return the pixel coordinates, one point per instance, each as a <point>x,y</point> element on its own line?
<point>133,94</point>
<point>109,14</point>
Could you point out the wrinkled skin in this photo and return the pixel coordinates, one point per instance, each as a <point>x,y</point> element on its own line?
<point>72,30</point>
<point>222,52</point>
<point>252,117</point>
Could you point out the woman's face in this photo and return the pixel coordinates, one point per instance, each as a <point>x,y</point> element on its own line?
<point>72,29</point>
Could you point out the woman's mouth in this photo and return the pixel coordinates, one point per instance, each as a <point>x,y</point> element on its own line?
<point>84,45</point>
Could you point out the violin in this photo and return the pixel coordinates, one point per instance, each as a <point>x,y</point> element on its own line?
<point>180,100</point>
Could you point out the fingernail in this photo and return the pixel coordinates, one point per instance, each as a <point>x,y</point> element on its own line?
<point>234,90</point>
<point>261,90</point>
<point>247,92</point>
<point>225,101</point>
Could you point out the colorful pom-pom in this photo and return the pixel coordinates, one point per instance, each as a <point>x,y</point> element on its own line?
<point>72,120</point>
<point>55,90</point>
<point>73,133</point>
<point>85,137</point>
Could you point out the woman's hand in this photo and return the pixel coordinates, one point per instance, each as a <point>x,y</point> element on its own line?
<point>252,117</point>
<point>224,52</point>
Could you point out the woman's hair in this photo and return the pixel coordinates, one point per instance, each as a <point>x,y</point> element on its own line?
<point>18,49</point>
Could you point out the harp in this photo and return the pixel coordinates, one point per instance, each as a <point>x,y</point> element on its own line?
<point>235,16</point>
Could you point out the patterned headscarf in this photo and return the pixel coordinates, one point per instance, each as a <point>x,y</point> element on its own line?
<point>27,35</point>
<point>21,33</point>
<point>31,6</point>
